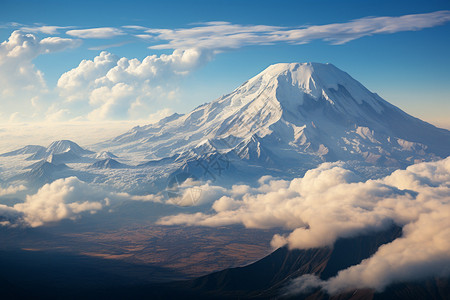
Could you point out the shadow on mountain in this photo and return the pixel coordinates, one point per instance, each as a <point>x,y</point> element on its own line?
<point>268,277</point>
<point>45,275</point>
<point>108,163</point>
<point>54,275</point>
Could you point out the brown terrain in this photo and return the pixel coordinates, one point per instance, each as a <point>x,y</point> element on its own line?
<point>188,251</point>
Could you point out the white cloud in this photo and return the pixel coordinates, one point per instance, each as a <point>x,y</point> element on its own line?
<point>28,46</point>
<point>66,198</point>
<point>330,202</point>
<point>21,84</point>
<point>9,216</point>
<point>43,29</point>
<point>120,88</point>
<point>10,190</point>
<point>131,88</point>
<point>62,199</point>
<point>193,193</point>
<point>224,35</point>
<point>422,252</point>
<point>96,33</point>
<point>77,83</point>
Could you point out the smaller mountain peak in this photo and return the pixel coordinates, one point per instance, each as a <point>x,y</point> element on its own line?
<point>62,146</point>
<point>62,143</point>
<point>108,163</point>
<point>104,155</point>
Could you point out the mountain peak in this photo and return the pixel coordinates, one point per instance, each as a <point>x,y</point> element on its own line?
<point>319,81</point>
<point>60,147</point>
<point>300,114</point>
<point>295,67</point>
<point>301,73</point>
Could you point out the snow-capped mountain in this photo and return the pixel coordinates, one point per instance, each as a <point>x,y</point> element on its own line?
<point>104,155</point>
<point>292,116</point>
<point>282,122</point>
<point>49,162</point>
<point>60,147</point>
<point>43,172</point>
<point>108,163</point>
<point>30,149</point>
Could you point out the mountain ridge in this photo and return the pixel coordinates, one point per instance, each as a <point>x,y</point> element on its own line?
<point>302,115</point>
<point>282,122</point>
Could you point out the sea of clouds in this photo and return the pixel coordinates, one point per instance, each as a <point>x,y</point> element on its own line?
<point>327,203</point>
<point>331,202</point>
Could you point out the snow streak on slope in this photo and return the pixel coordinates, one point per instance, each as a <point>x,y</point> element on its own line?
<point>292,116</point>
<point>282,122</point>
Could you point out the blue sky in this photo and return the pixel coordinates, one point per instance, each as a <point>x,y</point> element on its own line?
<point>196,51</point>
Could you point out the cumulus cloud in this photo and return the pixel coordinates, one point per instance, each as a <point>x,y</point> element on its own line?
<point>10,190</point>
<point>119,88</point>
<point>422,252</point>
<point>225,35</point>
<point>96,33</point>
<point>76,83</point>
<point>66,198</point>
<point>19,78</point>
<point>330,202</point>
<point>62,199</point>
<point>193,193</point>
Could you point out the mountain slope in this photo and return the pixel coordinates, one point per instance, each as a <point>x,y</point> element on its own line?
<point>108,163</point>
<point>284,121</point>
<point>269,277</point>
<point>292,117</point>
<point>60,147</point>
<point>30,149</point>
<point>43,172</point>
<point>265,277</point>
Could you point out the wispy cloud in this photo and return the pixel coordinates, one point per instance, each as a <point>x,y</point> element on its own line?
<point>96,33</point>
<point>224,35</point>
<point>23,84</point>
<point>44,29</point>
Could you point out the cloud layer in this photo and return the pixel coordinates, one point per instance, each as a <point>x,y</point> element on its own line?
<point>66,198</point>
<point>96,33</point>
<point>10,190</point>
<point>62,199</point>
<point>225,35</point>
<point>330,202</point>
